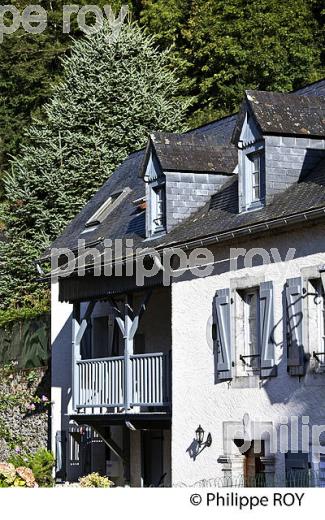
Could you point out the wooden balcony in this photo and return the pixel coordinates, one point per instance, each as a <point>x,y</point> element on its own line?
<point>114,384</point>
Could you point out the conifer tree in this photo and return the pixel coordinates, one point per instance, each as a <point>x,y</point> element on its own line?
<point>112,95</point>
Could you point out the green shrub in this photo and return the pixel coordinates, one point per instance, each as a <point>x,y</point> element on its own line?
<point>96,481</point>
<point>41,463</point>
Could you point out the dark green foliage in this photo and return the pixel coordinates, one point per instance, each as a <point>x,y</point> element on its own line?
<point>228,46</point>
<point>25,341</point>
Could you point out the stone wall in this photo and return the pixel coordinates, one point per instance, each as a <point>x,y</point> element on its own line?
<point>187,192</point>
<point>28,428</point>
<point>288,159</point>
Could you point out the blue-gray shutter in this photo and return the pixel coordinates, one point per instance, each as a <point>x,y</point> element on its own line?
<point>222,339</point>
<point>295,323</point>
<point>268,367</point>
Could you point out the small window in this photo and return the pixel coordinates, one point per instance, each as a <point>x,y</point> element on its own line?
<point>322,471</point>
<point>256,176</point>
<point>316,321</point>
<point>320,302</point>
<point>158,208</point>
<point>250,353</point>
<point>106,208</point>
<point>253,179</point>
<point>251,320</point>
<point>297,469</point>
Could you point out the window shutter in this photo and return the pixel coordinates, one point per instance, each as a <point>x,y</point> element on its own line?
<point>294,314</point>
<point>222,339</point>
<point>268,367</point>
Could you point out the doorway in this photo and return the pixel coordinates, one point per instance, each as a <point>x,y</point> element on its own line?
<point>254,470</point>
<point>152,458</point>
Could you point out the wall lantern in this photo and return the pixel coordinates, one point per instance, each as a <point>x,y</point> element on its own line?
<point>199,433</point>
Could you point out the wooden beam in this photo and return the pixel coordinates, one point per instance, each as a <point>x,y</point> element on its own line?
<point>111,444</point>
<point>138,316</point>
<point>84,323</point>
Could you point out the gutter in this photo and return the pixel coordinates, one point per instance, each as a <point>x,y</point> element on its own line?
<point>251,230</point>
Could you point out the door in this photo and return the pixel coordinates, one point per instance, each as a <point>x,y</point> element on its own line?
<point>152,458</point>
<point>254,468</point>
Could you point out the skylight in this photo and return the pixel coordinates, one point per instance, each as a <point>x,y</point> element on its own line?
<point>100,215</point>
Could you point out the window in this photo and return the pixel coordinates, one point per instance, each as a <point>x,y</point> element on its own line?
<point>297,469</point>
<point>321,478</point>
<point>242,329</point>
<point>100,215</point>
<point>158,208</point>
<point>250,355</point>
<point>248,344</point>
<point>316,322</point>
<point>320,303</point>
<point>255,177</point>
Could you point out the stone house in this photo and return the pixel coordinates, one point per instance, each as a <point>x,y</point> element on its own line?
<point>188,332</point>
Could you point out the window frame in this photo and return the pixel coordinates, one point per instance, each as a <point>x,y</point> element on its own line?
<point>105,209</point>
<point>248,171</point>
<point>255,172</point>
<point>158,198</point>
<point>315,312</point>
<point>247,365</point>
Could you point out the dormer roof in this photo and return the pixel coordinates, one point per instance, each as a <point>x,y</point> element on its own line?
<point>191,153</point>
<point>276,113</point>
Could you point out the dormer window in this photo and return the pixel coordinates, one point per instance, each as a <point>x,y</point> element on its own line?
<point>252,175</point>
<point>158,197</point>
<point>255,181</point>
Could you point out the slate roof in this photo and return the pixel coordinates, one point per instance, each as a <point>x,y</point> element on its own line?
<point>193,153</point>
<point>287,114</point>
<point>219,215</point>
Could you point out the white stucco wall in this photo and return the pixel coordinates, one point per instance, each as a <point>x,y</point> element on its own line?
<point>197,398</point>
<point>61,363</point>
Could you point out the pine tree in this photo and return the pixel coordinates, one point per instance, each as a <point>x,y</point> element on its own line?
<point>222,48</point>
<point>29,66</point>
<point>112,95</point>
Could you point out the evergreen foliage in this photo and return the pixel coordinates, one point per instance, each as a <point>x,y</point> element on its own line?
<point>30,64</point>
<point>112,95</point>
<point>222,48</point>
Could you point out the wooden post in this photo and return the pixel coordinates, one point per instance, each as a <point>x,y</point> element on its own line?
<point>128,351</point>
<point>128,325</point>
<point>78,330</point>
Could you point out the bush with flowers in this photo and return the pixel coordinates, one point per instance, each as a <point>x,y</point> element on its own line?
<point>40,464</point>
<point>95,480</point>
<point>16,477</point>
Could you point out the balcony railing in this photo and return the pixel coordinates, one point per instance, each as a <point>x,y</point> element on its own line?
<point>101,383</point>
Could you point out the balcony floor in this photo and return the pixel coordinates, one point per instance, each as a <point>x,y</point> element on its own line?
<point>152,420</point>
